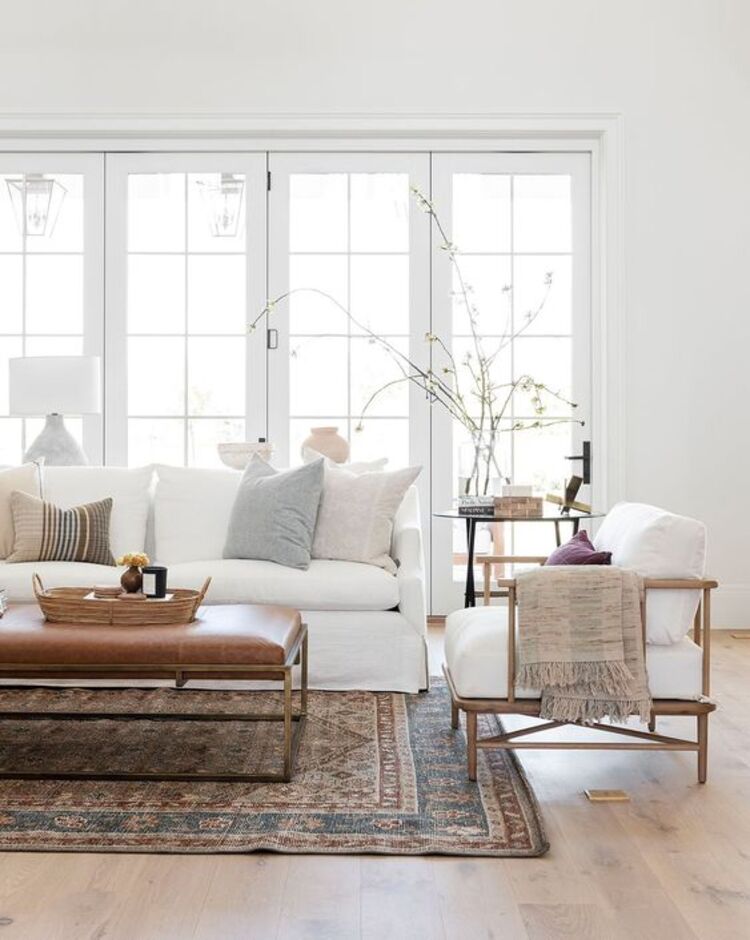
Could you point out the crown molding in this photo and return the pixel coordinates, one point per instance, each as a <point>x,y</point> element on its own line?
<point>324,125</point>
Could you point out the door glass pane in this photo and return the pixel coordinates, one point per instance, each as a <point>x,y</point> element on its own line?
<point>481,212</point>
<point>156,293</point>
<point>541,213</point>
<point>205,433</point>
<point>318,212</point>
<point>54,293</point>
<point>64,229</point>
<point>318,372</point>
<point>187,314</point>
<point>11,292</point>
<point>216,212</point>
<point>156,212</point>
<point>216,294</point>
<point>349,239</point>
<point>312,277</point>
<point>379,212</point>
<point>216,375</point>
<point>156,375</point>
<point>156,440</point>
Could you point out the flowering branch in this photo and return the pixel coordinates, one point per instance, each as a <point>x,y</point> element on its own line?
<point>490,401</point>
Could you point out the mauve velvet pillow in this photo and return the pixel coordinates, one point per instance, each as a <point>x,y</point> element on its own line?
<point>579,551</point>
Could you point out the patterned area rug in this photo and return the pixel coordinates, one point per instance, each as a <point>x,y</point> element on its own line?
<point>376,773</point>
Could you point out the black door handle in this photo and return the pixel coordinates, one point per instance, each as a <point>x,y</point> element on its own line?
<point>586,458</point>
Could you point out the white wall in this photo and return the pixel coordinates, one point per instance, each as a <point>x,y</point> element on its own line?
<point>677,70</point>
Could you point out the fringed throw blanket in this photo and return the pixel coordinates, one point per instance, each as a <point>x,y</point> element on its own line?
<point>580,641</point>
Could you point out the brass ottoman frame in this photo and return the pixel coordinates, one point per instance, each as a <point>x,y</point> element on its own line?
<point>294,722</point>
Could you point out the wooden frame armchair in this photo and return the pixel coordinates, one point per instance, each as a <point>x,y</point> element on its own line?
<point>639,740</point>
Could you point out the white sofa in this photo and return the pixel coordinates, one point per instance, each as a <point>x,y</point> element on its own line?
<point>367,627</point>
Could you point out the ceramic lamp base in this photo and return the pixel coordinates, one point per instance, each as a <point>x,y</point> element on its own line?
<point>56,445</point>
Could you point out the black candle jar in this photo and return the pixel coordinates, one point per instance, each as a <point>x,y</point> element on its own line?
<point>154,581</point>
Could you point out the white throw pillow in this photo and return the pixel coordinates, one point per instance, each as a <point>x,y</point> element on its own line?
<point>658,544</point>
<point>355,519</point>
<point>358,466</point>
<point>24,479</point>
<point>130,490</point>
<point>192,508</point>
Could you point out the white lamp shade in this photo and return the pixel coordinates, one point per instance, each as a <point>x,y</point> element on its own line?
<point>66,385</point>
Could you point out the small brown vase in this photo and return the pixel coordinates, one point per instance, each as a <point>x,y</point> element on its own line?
<point>131,580</point>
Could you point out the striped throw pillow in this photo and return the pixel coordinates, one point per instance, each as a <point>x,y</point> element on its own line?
<point>44,532</point>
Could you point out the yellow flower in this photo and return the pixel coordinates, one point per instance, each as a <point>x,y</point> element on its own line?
<point>134,559</point>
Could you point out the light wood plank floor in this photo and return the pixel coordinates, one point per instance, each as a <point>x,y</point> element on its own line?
<point>673,863</point>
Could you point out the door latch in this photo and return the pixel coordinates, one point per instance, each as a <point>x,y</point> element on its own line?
<point>585,457</point>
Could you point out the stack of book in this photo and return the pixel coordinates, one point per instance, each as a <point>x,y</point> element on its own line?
<point>516,507</point>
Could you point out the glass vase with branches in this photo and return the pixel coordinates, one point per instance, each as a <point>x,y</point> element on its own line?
<point>472,397</point>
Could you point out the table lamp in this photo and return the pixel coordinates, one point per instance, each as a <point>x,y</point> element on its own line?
<point>55,386</point>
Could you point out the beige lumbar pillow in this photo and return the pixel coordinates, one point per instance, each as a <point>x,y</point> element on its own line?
<point>44,532</point>
<point>355,519</point>
<point>25,479</point>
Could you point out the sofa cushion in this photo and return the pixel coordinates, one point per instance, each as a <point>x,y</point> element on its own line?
<point>44,532</point>
<point>24,479</point>
<point>192,508</point>
<point>325,585</point>
<point>130,491</point>
<point>476,652</point>
<point>355,521</point>
<point>16,578</point>
<point>658,544</point>
<point>274,513</point>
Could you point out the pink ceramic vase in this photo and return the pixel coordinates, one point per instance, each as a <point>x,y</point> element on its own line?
<point>329,442</point>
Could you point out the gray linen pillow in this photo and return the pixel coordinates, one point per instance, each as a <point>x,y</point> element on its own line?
<point>273,517</point>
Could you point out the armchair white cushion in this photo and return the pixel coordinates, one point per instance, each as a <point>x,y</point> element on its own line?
<point>658,544</point>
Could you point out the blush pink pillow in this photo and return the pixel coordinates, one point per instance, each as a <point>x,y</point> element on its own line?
<point>579,551</point>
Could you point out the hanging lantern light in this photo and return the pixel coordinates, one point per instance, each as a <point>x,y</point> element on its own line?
<point>36,202</point>
<point>223,203</point>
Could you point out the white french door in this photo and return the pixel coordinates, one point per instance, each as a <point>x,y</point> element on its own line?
<point>346,234</point>
<point>197,243</point>
<point>51,277</point>
<point>186,272</point>
<point>519,230</point>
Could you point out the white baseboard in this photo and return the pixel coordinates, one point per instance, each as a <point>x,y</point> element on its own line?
<point>730,607</point>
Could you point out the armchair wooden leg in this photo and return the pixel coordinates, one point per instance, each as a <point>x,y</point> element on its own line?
<point>454,715</point>
<point>652,723</point>
<point>471,743</point>
<point>702,748</point>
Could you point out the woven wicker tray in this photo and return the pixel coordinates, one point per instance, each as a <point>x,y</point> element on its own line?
<point>67,605</point>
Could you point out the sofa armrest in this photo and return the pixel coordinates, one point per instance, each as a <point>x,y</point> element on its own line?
<point>408,552</point>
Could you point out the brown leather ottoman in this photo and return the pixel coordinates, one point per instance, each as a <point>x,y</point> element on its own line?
<point>225,642</point>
